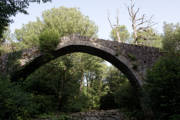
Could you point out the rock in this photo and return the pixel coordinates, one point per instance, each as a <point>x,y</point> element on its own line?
<point>98,115</point>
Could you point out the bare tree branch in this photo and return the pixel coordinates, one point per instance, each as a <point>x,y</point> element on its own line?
<point>138,23</point>
<point>114,27</point>
<point>108,16</point>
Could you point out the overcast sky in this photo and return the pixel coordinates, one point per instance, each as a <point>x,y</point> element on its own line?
<point>162,10</point>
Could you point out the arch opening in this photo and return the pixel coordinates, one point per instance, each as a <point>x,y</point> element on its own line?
<point>45,58</point>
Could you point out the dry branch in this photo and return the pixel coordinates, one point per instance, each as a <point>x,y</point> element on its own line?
<point>139,24</point>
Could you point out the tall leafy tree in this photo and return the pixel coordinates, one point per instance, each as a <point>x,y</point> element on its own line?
<point>65,21</point>
<point>63,81</point>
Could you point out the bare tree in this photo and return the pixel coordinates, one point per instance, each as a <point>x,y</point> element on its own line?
<point>139,23</point>
<point>113,27</point>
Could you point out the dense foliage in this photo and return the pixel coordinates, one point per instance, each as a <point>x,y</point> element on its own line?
<point>71,83</point>
<point>81,82</point>
<point>15,102</point>
<point>150,37</point>
<point>171,38</point>
<point>63,21</point>
<point>163,80</point>
<point>163,87</point>
<point>10,8</point>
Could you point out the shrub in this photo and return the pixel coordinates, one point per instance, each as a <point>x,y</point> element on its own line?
<point>163,86</point>
<point>175,117</point>
<point>78,104</point>
<point>48,39</point>
<point>15,104</point>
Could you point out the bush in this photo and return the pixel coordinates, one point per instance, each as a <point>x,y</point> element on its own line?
<point>175,117</point>
<point>15,104</point>
<point>49,40</point>
<point>45,104</point>
<point>52,116</point>
<point>78,104</point>
<point>163,86</point>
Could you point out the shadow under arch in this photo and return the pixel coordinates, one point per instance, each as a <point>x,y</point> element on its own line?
<point>23,73</point>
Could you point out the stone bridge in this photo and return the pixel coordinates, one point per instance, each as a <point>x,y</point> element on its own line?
<point>132,60</point>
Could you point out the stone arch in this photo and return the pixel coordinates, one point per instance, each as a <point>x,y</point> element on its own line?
<point>67,46</point>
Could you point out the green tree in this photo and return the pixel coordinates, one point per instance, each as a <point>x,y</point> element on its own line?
<point>122,31</point>
<point>29,34</point>
<point>94,75</point>
<point>119,89</point>
<point>114,79</point>
<point>7,43</point>
<point>149,37</point>
<point>163,86</point>
<point>65,21</point>
<point>15,104</point>
<point>48,40</point>
<point>62,81</point>
<point>171,37</point>
<point>10,8</point>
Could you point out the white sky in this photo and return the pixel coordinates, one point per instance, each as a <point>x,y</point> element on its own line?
<point>162,10</point>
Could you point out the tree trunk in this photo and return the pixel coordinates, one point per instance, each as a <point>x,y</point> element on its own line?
<point>134,32</point>
<point>118,36</point>
<point>81,82</point>
<point>60,93</point>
